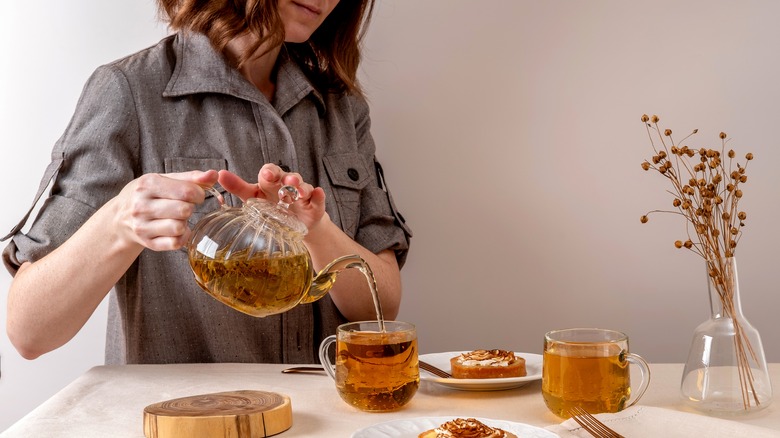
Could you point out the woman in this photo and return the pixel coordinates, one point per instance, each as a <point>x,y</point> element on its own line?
<point>242,86</point>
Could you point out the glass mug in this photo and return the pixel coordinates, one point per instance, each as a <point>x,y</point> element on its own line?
<point>375,371</point>
<point>588,368</point>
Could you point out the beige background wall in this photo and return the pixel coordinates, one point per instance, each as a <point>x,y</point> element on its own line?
<point>510,135</point>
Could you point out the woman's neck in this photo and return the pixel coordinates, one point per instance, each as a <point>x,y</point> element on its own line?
<point>260,71</point>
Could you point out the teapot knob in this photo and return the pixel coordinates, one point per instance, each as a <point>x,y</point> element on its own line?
<point>287,195</point>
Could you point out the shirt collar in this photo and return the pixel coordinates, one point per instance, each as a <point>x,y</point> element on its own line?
<point>201,69</point>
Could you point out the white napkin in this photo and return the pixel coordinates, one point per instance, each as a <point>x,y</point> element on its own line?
<point>648,421</point>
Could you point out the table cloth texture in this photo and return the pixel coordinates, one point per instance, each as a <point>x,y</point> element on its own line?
<point>108,401</point>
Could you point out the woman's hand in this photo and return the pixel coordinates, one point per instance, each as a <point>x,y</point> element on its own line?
<point>153,209</point>
<point>310,206</point>
<point>150,212</point>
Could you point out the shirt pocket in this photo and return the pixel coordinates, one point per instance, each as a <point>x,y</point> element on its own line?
<point>348,175</point>
<point>211,203</point>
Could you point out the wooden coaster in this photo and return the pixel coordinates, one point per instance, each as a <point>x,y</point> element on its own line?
<point>232,414</point>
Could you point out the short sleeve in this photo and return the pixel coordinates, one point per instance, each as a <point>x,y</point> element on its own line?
<point>98,154</point>
<point>381,225</point>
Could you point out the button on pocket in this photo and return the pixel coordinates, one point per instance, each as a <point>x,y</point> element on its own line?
<point>347,170</point>
<point>348,176</point>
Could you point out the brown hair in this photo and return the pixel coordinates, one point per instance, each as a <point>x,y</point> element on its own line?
<point>330,57</point>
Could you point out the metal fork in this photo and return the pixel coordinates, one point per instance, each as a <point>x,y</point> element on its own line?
<point>434,370</point>
<point>591,424</point>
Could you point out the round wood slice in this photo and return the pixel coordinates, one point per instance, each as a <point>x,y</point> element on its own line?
<point>232,414</point>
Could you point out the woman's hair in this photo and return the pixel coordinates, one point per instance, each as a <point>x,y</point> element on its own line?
<point>330,57</point>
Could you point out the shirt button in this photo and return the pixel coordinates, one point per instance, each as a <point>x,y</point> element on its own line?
<point>353,174</point>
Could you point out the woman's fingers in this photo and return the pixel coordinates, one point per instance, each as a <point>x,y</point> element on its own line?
<point>271,178</point>
<point>237,186</point>
<point>154,208</point>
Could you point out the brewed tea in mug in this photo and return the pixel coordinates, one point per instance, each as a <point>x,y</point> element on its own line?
<point>374,370</point>
<point>589,368</point>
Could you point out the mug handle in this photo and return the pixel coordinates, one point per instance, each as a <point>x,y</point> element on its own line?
<point>325,359</point>
<point>645,370</point>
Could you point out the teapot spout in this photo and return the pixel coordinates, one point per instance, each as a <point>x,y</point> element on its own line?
<point>323,282</point>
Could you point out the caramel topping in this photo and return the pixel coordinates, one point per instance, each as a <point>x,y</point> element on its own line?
<point>487,358</point>
<point>468,428</point>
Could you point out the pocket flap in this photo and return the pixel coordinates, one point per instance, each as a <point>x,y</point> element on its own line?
<point>347,170</point>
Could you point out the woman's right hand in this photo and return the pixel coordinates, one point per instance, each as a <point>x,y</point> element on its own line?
<point>153,210</point>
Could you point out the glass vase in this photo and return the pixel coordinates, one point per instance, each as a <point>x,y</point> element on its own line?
<point>726,372</point>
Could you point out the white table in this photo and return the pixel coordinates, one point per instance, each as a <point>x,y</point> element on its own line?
<point>108,401</point>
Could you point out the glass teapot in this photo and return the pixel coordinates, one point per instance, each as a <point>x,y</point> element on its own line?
<point>252,258</point>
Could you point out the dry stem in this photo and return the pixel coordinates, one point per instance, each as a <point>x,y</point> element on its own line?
<point>706,189</point>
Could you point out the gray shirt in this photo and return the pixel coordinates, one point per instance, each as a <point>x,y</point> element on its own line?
<point>178,106</point>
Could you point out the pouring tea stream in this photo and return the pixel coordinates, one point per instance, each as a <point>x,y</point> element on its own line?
<point>252,258</point>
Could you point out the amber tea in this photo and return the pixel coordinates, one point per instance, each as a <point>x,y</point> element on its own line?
<point>257,286</point>
<point>597,384</point>
<point>589,368</point>
<point>374,371</point>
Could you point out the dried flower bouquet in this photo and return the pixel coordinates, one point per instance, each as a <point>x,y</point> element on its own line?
<point>706,190</point>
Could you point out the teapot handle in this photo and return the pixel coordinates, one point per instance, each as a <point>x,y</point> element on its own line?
<point>216,194</point>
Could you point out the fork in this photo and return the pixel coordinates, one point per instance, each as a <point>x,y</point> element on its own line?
<point>434,370</point>
<point>591,424</point>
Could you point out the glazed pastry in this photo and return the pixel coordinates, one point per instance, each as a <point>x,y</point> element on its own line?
<point>487,364</point>
<point>466,428</point>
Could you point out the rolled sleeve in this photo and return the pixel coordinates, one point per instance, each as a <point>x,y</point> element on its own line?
<point>381,226</point>
<point>379,229</point>
<point>97,154</point>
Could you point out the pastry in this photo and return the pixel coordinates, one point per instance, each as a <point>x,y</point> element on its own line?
<point>466,428</point>
<point>487,364</point>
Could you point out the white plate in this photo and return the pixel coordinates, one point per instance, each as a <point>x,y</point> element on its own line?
<point>533,367</point>
<point>412,427</point>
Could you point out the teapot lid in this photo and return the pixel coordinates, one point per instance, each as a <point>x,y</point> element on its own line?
<point>279,212</point>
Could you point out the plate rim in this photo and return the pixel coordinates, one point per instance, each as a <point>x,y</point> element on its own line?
<point>507,382</point>
<point>444,418</point>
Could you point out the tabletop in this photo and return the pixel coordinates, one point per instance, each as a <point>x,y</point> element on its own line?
<point>108,401</point>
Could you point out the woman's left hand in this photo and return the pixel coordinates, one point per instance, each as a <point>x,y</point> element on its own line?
<point>310,206</point>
